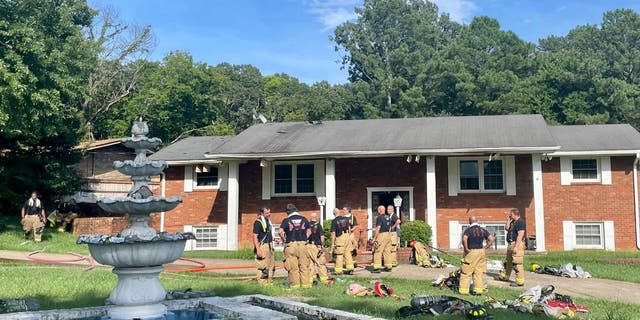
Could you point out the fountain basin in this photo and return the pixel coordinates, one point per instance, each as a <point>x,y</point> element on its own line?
<point>139,206</point>
<point>141,142</point>
<point>139,254</point>
<point>132,168</point>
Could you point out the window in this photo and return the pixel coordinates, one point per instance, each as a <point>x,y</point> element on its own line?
<point>293,178</point>
<point>206,176</point>
<point>206,237</point>
<point>496,229</point>
<point>589,235</point>
<point>481,175</point>
<point>585,170</point>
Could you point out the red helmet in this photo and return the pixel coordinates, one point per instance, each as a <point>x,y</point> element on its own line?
<point>412,243</point>
<point>382,290</point>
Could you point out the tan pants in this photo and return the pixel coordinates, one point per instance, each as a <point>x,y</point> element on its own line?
<point>474,264</point>
<point>382,249</point>
<point>515,257</point>
<point>265,265</point>
<point>421,254</point>
<point>317,262</point>
<point>394,248</point>
<point>296,262</point>
<point>342,251</point>
<point>31,222</point>
<point>354,240</point>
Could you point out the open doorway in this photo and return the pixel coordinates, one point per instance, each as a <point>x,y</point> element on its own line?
<point>384,196</point>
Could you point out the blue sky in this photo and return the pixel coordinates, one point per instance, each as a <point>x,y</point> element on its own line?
<point>292,36</point>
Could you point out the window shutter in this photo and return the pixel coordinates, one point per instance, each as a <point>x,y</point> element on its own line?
<point>453,176</point>
<point>266,181</point>
<point>565,171</point>
<point>510,174</point>
<point>318,177</point>
<point>455,238</point>
<point>568,235</point>
<point>223,176</point>
<point>609,236</point>
<point>605,167</point>
<point>188,178</point>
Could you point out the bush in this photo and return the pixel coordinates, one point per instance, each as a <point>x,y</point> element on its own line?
<point>415,230</point>
<point>327,232</point>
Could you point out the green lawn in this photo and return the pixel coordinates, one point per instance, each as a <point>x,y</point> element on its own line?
<point>12,238</point>
<point>68,286</point>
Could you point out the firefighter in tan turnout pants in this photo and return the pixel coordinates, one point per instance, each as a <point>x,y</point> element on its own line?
<point>33,217</point>
<point>295,232</point>
<point>474,261</point>
<point>354,230</point>
<point>341,243</point>
<point>382,242</point>
<point>515,228</point>
<point>263,247</point>
<point>315,249</point>
<point>393,231</point>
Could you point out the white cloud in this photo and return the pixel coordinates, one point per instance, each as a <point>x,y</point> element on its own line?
<point>332,13</point>
<point>459,10</point>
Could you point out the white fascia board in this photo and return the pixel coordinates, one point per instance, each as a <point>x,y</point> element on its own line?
<point>189,162</point>
<point>336,154</point>
<point>597,153</point>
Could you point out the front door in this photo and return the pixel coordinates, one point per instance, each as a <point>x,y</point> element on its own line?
<point>384,197</point>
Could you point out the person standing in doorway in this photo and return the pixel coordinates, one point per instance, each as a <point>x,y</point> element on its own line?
<point>263,247</point>
<point>475,241</point>
<point>295,232</point>
<point>33,217</point>
<point>315,249</point>
<point>382,242</point>
<point>515,228</point>
<point>341,243</point>
<point>395,224</point>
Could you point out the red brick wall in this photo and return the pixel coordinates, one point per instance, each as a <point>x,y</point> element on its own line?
<point>590,202</point>
<point>199,207</point>
<point>486,207</point>
<point>107,225</point>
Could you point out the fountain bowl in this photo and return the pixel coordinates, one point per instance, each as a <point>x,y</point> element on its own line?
<point>132,168</point>
<point>138,254</point>
<point>141,143</point>
<point>139,206</point>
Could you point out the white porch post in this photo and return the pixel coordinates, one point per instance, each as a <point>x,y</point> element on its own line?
<point>233,200</point>
<point>538,201</point>
<point>431,198</point>
<point>330,187</point>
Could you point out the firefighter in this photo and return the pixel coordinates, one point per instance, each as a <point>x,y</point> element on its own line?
<point>315,250</point>
<point>295,232</point>
<point>515,228</point>
<point>263,247</point>
<point>33,217</point>
<point>354,230</point>
<point>395,225</point>
<point>341,243</point>
<point>475,241</point>
<point>382,242</point>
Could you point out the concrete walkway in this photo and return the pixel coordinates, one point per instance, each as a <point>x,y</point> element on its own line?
<point>591,288</point>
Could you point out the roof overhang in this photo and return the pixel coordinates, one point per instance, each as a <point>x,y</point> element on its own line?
<point>189,162</point>
<point>381,153</point>
<point>595,153</point>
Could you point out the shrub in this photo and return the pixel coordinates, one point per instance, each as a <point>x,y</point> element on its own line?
<point>327,232</point>
<point>415,230</point>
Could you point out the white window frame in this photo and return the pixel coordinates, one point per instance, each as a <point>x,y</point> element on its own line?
<point>499,225</point>
<point>294,178</point>
<point>202,167</point>
<point>481,189</point>
<point>278,243</point>
<point>600,225</point>
<point>190,178</point>
<point>217,237</point>
<point>598,179</point>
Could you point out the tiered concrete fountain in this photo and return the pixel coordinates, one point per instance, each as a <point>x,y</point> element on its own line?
<point>138,252</point>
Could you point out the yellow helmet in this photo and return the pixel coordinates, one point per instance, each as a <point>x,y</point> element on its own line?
<point>535,267</point>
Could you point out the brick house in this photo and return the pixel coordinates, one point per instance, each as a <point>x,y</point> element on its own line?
<point>576,186</point>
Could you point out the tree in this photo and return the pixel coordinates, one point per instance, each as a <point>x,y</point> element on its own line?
<point>44,65</point>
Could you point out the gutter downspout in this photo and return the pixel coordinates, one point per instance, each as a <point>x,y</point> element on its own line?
<point>635,198</point>
<point>163,182</point>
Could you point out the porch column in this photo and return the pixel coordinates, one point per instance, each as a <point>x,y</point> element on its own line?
<point>233,200</point>
<point>431,198</point>
<point>538,201</point>
<point>330,186</point>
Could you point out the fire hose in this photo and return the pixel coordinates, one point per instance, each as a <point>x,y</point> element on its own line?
<point>78,258</point>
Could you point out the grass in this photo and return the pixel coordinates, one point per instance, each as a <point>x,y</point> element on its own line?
<point>619,265</point>
<point>244,254</point>
<point>12,238</point>
<point>68,286</point>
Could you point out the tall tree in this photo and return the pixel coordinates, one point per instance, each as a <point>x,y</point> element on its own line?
<point>44,65</point>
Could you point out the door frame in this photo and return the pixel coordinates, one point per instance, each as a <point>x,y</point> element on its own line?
<point>370,190</point>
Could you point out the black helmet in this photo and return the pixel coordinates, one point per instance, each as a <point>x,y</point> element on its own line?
<point>477,312</point>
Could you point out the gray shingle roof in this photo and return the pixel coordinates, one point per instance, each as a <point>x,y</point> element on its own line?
<point>190,148</point>
<point>605,137</point>
<point>380,136</point>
